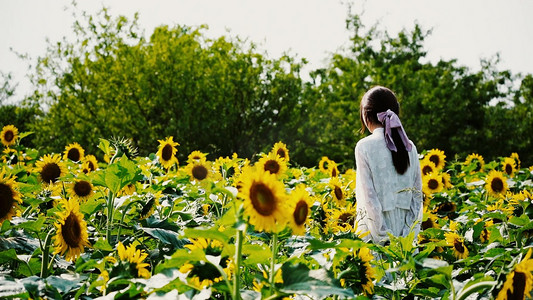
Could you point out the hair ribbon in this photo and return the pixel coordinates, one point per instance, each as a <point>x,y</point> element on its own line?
<point>391,120</point>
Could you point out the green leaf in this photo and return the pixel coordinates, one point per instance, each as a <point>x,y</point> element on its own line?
<point>102,244</point>
<point>316,284</point>
<point>33,225</point>
<point>165,236</point>
<point>180,257</point>
<point>105,146</point>
<point>8,256</point>
<point>210,233</point>
<point>519,221</point>
<point>65,283</point>
<point>256,254</point>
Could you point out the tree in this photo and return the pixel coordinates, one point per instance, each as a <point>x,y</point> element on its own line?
<point>214,95</point>
<point>442,105</point>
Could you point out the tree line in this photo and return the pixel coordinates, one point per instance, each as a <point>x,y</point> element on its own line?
<point>224,95</point>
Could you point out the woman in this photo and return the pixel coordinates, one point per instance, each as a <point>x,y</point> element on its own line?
<point>389,184</point>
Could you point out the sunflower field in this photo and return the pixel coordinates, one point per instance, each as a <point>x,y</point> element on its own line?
<point>126,226</point>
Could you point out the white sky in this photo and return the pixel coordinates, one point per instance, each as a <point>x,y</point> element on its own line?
<point>467,30</point>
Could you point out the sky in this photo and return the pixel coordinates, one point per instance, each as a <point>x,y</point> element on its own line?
<point>466,30</point>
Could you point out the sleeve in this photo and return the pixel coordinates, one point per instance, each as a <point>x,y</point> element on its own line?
<point>416,207</point>
<point>369,214</point>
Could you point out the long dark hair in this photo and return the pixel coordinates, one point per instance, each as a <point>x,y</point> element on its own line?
<point>379,99</point>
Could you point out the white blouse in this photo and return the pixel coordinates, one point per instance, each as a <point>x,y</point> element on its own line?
<point>387,202</point>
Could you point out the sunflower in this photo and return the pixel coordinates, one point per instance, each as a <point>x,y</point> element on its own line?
<point>74,152</point>
<point>337,192</point>
<point>519,281</point>
<point>50,168</point>
<point>446,180</point>
<point>127,190</point>
<point>323,164</point>
<point>509,166</point>
<point>273,164</point>
<point>80,190</point>
<point>495,183</point>
<point>445,208</point>
<point>343,219</point>
<point>152,201</point>
<point>9,196</point>
<point>356,272</point>
<point>333,169</point>
<point>196,156</point>
<point>9,135</point>
<point>437,157</point>
<point>202,274</point>
<point>477,159</point>
<point>167,152</point>
<point>199,170</point>
<point>432,183</point>
<point>135,258</point>
<point>209,246</point>
<point>264,200</point>
<point>11,157</point>
<point>281,150</point>
<point>71,235</point>
<point>300,202</point>
<point>429,220</point>
<point>484,236</point>
<point>90,162</point>
<point>516,158</point>
<point>225,167</point>
<point>427,167</point>
<point>453,240</point>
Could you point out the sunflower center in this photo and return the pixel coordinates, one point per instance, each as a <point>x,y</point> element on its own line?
<point>300,213</point>
<point>9,135</point>
<point>338,193</point>
<point>204,271</point>
<point>281,153</point>
<point>199,172</point>
<point>497,185</point>
<point>519,286</point>
<point>166,152</point>
<point>426,170</point>
<point>74,154</point>
<point>91,166</point>
<point>272,166</point>
<point>363,273</point>
<point>263,199</point>
<point>50,172</point>
<point>427,224</point>
<point>346,218</point>
<point>433,184</point>
<point>6,200</point>
<point>435,159</point>
<point>71,231</point>
<point>459,247</point>
<point>334,172</point>
<point>508,169</point>
<point>446,207</point>
<point>148,207</point>
<point>82,188</point>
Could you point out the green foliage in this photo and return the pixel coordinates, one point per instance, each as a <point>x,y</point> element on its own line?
<point>217,96</point>
<point>222,95</point>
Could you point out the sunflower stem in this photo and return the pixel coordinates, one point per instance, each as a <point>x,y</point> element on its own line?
<point>110,204</point>
<point>238,255</point>
<point>46,254</point>
<point>273,261</point>
<point>122,218</point>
